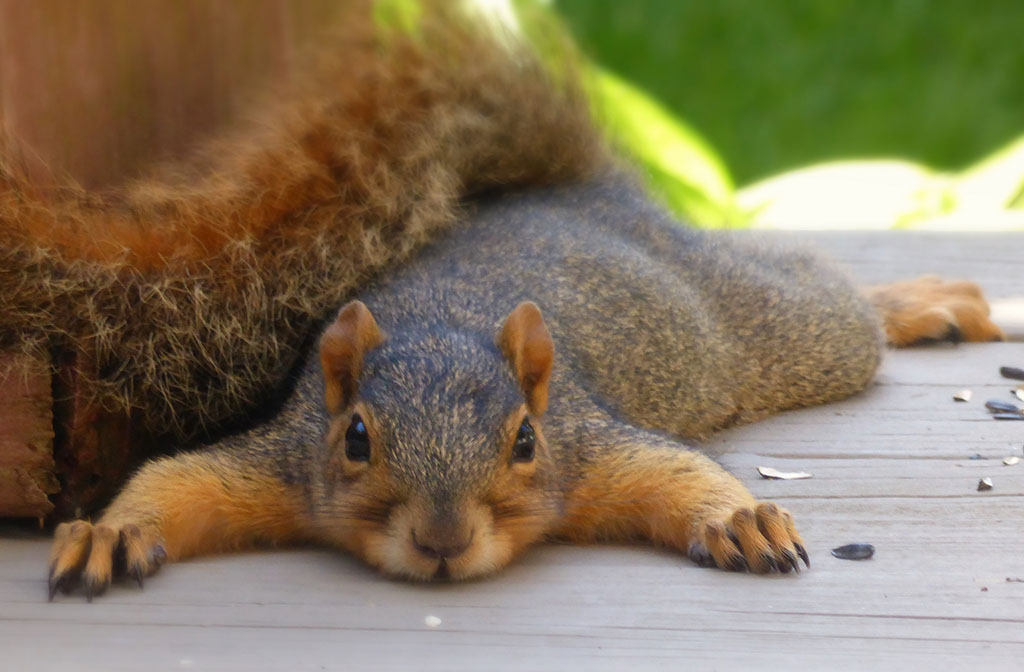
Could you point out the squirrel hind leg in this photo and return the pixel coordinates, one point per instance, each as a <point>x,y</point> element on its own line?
<point>928,309</point>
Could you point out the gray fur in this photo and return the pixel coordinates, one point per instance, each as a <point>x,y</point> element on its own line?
<point>656,327</point>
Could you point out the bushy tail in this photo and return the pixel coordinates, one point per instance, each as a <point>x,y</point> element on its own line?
<point>187,295</point>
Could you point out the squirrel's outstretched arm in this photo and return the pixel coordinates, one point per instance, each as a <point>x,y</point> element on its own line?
<point>173,508</point>
<point>636,484</point>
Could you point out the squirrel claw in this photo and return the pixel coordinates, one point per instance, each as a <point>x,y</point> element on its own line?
<point>157,557</point>
<point>790,562</point>
<point>91,555</point>
<point>737,563</point>
<point>762,540</point>
<point>136,573</point>
<point>803,554</point>
<point>63,582</point>
<point>774,566</point>
<point>55,584</point>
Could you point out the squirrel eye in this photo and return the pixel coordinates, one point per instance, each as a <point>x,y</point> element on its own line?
<point>357,441</point>
<point>522,450</point>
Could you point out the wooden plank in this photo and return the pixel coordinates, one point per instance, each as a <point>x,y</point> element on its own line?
<point>935,595</point>
<point>906,413</point>
<point>26,437</point>
<point>560,606</point>
<point>993,260</point>
<point>892,467</point>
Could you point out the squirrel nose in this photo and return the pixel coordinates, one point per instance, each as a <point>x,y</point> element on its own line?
<point>442,546</point>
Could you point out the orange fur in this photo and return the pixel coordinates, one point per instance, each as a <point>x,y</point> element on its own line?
<point>929,309</point>
<point>525,341</point>
<point>207,503</point>
<point>71,544</point>
<point>639,491</point>
<point>342,347</point>
<point>195,504</point>
<point>375,520</point>
<point>366,135</point>
<point>683,500</point>
<point>194,289</point>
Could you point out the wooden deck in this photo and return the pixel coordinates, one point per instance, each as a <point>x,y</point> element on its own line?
<point>896,467</point>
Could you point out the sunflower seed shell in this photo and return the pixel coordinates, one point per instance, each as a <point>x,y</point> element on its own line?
<point>854,552</point>
<point>1011,372</point>
<point>999,406</point>
<point>776,475</point>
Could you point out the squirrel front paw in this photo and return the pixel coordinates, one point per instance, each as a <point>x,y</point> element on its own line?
<point>92,555</point>
<point>761,540</point>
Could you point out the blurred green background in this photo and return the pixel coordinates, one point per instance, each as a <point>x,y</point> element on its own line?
<point>779,84</point>
<point>774,86</point>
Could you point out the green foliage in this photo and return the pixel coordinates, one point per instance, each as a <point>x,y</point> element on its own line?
<point>397,15</point>
<point>681,167</point>
<point>777,84</point>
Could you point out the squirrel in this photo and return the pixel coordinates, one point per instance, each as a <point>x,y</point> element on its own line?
<point>538,372</point>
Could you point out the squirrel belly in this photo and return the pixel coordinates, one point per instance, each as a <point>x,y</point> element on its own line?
<point>533,374</point>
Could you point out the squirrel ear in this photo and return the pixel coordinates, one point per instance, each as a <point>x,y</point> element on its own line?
<point>526,343</point>
<point>342,347</point>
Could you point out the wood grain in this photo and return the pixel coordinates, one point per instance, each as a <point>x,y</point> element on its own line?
<point>99,91</point>
<point>892,467</point>
<point>26,437</point>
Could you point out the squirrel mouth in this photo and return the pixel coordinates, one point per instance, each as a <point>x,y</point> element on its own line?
<point>442,573</point>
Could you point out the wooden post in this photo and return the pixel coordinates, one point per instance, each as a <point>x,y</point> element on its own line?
<point>27,473</point>
<point>94,449</point>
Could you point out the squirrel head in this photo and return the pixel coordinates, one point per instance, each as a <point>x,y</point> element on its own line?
<point>435,465</point>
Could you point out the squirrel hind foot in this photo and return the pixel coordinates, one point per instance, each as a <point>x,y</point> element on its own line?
<point>929,310</point>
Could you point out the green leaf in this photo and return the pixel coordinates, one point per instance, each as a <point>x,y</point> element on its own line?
<point>402,16</point>
<point>681,166</point>
<point>997,181</point>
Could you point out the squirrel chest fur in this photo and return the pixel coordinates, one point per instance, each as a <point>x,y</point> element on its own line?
<point>534,374</point>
